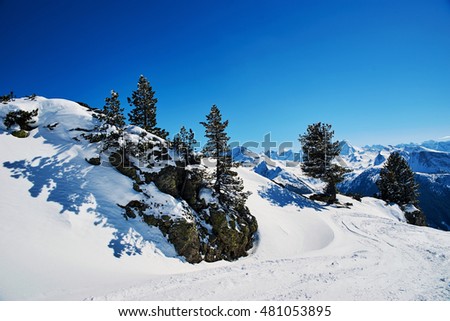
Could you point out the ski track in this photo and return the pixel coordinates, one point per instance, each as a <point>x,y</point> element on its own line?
<point>378,270</point>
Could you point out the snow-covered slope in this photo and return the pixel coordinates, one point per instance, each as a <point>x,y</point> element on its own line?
<point>61,228</point>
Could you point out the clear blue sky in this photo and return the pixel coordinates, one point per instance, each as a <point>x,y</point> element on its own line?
<point>377,70</point>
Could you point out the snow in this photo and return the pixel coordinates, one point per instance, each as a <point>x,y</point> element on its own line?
<point>318,254</point>
<point>63,237</point>
<point>288,179</point>
<point>444,139</point>
<point>410,208</point>
<point>206,194</point>
<point>165,204</point>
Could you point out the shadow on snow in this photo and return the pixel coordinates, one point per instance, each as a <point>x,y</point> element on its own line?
<point>73,183</point>
<point>280,196</point>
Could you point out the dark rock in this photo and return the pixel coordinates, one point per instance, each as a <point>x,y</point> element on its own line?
<point>192,184</point>
<point>179,183</point>
<point>136,187</point>
<point>78,129</point>
<point>134,208</point>
<point>233,235</point>
<point>184,237</point>
<point>94,161</point>
<point>321,198</point>
<point>51,126</point>
<point>168,180</point>
<point>124,166</point>
<point>20,133</point>
<point>182,234</point>
<point>416,217</point>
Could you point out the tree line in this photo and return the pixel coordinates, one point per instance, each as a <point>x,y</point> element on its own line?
<point>396,181</point>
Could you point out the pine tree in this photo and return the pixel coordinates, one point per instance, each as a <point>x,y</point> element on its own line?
<point>22,118</point>
<point>191,143</point>
<point>112,121</point>
<point>318,153</point>
<point>184,143</point>
<point>396,182</point>
<point>160,132</point>
<point>217,144</point>
<point>227,184</point>
<point>334,175</point>
<point>144,112</point>
<point>397,185</point>
<point>112,114</point>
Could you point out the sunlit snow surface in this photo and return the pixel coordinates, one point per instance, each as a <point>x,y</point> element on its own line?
<point>62,235</point>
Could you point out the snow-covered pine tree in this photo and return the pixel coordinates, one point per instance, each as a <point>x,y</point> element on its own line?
<point>318,152</point>
<point>144,112</point>
<point>397,184</point>
<point>112,113</point>
<point>227,184</point>
<point>22,118</point>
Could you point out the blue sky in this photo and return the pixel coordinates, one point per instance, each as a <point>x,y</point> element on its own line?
<point>377,70</point>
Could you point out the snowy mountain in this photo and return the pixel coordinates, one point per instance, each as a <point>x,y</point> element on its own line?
<point>70,229</point>
<point>244,156</point>
<point>347,148</point>
<point>431,163</point>
<point>442,144</point>
<point>287,155</point>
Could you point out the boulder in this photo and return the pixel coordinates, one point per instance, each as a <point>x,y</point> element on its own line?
<point>94,161</point>
<point>124,166</point>
<point>20,133</point>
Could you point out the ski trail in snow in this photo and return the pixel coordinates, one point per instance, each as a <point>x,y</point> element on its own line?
<point>369,263</point>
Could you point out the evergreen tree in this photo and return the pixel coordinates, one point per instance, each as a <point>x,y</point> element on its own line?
<point>22,118</point>
<point>396,182</point>
<point>318,153</point>
<point>184,143</point>
<point>160,132</point>
<point>334,175</point>
<point>112,114</point>
<point>112,121</point>
<point>397,185</point>
<point>227,184</point>
<point>144,112</point>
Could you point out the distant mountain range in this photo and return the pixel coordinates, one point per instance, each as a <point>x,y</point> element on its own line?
<point>429,160</point>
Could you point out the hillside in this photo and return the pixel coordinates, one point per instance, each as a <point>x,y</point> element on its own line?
<point>63,235</point>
